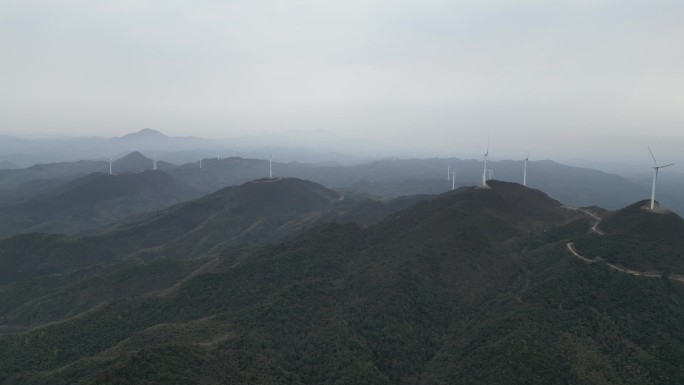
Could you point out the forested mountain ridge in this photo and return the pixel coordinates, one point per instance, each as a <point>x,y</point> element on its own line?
<point>475,286</point>
<point>254,213</point>
<point>92,201</point>
<point>640,239</point>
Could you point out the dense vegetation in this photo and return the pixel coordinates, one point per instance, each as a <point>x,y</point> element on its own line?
<point>473,287</point>
<point>254,213</point>
<point>640,239</point>
<point>92,201</point>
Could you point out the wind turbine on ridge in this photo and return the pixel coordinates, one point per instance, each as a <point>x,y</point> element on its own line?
<point>656,168</point>
<point>110,166</point>
<point>484,172</point>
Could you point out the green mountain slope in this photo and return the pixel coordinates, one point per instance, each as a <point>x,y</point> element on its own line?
<point>254,213</point>
<point>476,286</point>
<point>640,239</point>
<point>92,201</point>
<point>10,179</point>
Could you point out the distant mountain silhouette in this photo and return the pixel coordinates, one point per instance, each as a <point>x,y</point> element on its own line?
<point>145,134</point>
<point>136,162</point>
<point>92,201</point>
<point>388,179</point>
<point>26,152</point>
<point>10,179</point>
<point>5,165</point>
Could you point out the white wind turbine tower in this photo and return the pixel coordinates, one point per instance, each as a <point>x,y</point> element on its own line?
<point>484,172</point>
<point>491,174</point>
<point>655,176</point>
<point>110,166</point>
<point>449,172</point>
<point>218,154</point>
<point>200,163</point>
<point>525,170</point>
<point>453,180</point>
<point>154,163</point>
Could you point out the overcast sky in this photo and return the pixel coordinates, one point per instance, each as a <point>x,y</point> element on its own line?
<point>564,77</point>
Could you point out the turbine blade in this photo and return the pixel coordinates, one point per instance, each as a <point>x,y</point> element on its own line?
<point>655,162</point>
<point>667,165</point>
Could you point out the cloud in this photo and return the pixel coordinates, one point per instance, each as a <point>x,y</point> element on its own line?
<point>355,66</point>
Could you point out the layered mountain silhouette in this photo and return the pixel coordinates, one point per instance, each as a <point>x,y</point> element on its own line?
<point>93,201</point>
<point>256,212</point>
<point>475,286</point>
<point>5,164</point>
<point>24,152</point>
<point>137,162</point>
<point>386,179</point>
<point>16,178</point>
<point>144,134</point>
<point>25,183</point>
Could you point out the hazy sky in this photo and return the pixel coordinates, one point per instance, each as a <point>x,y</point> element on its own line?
<point>550,76</point>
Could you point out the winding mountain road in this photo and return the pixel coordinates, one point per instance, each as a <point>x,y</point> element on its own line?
<point>594,226</point>
<point>595,229</point>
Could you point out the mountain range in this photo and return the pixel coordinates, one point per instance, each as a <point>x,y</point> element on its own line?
<point>92,201</point>
<point>26,152</point>
<point>30,198</point>
<point>277,280</point>
<point>559,180</point>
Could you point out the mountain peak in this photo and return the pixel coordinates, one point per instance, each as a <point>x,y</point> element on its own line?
<point>134,156</point>
<point>145,133</point>
<point>133,162</point>
<point>641,239</point>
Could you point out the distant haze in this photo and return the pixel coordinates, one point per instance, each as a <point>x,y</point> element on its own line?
<point>563,79</point>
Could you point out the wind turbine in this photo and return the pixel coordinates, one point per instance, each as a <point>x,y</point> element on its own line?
<point>218,154</point>
<point>200,163</point>
<point>484,172</point>
<point>453,180</point>
<point>449,172</point>
<point>154,164</point>
<point>110,166</point>
<point>525,170</point>
<point>491,174</point>
<point>655,176</point>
